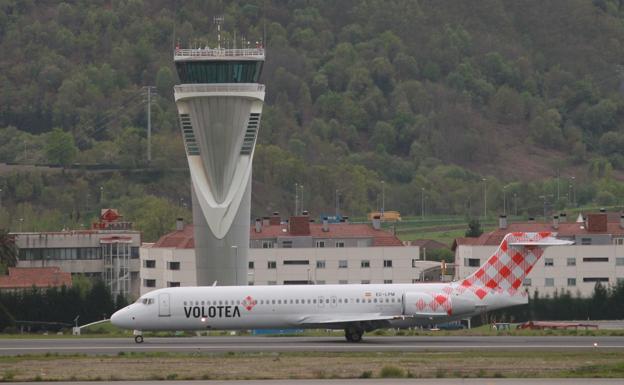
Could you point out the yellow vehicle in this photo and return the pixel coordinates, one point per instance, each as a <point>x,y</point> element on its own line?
<point>387,216</point>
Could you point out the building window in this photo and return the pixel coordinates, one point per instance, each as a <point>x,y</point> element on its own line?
<point>272,283</point>
<point>618,241</point>
<point>296,262</point>
<point>595,279</point>
<point>619,261</point>
<point>415,280</point>
<point>571,261</point>
<point>339,244</point>
<point>596,259</point>
<point>365,264</point>
<point>173,265</point>
<point>271,265</point>
<point>149,263</point>
<point>287,244</point>
<point>472,262</point>
<point>586,241</point>
<point>571,281</point>
<point>343,264</point>
<point>173,284</point>
<point>549,282</point>
<point>251,265</point>
<point>250,283</point>
<point>549,262</point>
<point>320,243</point>
<point>387,263</point>
<point>267,244</point>
<point>134,252</point>
<point>387,281</point>
<point>320,264</point>
<point>526,282</point>
<point>365,282</point>
<point>149,283</point>
<point>342,282</point>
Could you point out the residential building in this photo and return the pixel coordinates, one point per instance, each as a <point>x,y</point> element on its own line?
<point>297,251</point>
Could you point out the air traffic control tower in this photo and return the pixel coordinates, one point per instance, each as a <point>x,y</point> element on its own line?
<point>220,104</point>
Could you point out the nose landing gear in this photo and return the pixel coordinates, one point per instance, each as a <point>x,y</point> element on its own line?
<point>138,336</point>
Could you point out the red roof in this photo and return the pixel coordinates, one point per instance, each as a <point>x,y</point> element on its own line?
<point>336,231</point>
<point>179,239</point>
<point>183,239</point>
<point>26,277</point>
<point>568,229</point>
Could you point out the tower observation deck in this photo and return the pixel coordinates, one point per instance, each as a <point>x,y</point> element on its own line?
<point>219,104</point>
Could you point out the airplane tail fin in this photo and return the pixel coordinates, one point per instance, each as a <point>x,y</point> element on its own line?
<point>506,269</point>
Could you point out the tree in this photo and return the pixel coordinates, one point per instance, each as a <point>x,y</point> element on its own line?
<point>60,147</point>
<point>8,250</point>
<point>474,228</point>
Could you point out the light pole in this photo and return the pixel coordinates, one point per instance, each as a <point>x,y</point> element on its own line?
<point>235,263</point>
<point>573,192</point>
<point>296,198</point>
<point>516,204</point>
<point>337,204</point>
<point>0,198</point>
<point>484,198</point>
<point>383,197</point>
<point>21,224</point>
<point>422,203</point>
<point>101,194</point>
<point>505,199</point>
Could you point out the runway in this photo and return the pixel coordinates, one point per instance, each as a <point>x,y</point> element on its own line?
<point>94,346</point>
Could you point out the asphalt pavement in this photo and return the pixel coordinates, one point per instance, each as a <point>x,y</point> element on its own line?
<point>215,344</point>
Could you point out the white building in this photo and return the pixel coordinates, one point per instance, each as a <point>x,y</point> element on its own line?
<point>296,253</point>
<point>108,251</point>
<point>596,256</point>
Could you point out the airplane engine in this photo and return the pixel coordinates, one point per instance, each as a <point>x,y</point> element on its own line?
<point>420,305</point>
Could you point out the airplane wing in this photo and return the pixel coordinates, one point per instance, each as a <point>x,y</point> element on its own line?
<point>333,319</point>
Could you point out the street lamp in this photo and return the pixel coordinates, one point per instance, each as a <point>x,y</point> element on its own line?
<point>505,199</point>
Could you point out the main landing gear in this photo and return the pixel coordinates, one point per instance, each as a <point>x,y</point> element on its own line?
<point>353,334</point>
<point>138,337</point>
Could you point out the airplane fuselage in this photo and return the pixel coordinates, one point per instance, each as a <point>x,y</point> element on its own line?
<point>275,307</point>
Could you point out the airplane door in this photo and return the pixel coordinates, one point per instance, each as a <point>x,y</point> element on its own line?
<point>163,305</point>
<point>321,301</point>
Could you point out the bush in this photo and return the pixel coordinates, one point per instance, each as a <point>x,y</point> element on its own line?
<point>390,371</point>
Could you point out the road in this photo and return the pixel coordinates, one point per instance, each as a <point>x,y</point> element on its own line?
<point>303,344</point>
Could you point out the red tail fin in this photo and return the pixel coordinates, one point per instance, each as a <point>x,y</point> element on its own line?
<point>510,264</point>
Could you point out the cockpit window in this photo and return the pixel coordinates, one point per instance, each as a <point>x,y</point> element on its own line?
<point>147,301</point>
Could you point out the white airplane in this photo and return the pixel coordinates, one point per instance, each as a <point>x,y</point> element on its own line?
<point>354,308</point>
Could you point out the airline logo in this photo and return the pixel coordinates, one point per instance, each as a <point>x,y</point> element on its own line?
<point>249,303</point>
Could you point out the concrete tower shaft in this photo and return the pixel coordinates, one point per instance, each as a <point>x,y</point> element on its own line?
<point>220,106</point>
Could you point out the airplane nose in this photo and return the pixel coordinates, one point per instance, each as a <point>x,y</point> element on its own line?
<point>121,318</point>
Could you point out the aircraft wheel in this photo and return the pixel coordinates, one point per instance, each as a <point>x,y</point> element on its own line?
<point>138,339</point>
<point>353,334</point>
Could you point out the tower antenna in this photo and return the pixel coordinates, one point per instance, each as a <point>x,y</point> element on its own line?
<point>218,20</point>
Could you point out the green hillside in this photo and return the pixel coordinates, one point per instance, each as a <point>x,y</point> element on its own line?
<point>430,97</point>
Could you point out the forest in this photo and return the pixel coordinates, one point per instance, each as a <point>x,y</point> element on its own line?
<point>442,101</point>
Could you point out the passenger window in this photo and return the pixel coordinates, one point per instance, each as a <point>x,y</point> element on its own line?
<point>297,301</point>
<point>273,301</point>
<point>369,300</point>
<point>220,302</point>
<point>346,300</point>
<point>375,300</point>
<point>327,300</point>
<point>314,301</point>
<point>357,300</point>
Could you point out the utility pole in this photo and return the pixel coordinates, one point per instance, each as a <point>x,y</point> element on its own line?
<point>337,203</point>
<point>296,198</point>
